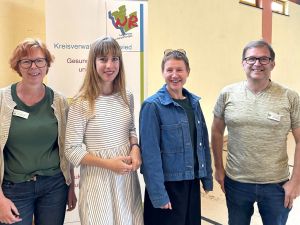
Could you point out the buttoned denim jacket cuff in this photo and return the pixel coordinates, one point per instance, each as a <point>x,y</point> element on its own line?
<point>207,183</point>
<point>159,202</point>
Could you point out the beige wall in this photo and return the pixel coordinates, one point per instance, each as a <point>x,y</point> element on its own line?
<point>286,42</point>
<point>19,19</point>
<point>214,33</point>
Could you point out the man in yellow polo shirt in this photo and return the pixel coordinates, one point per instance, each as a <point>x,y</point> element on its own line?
<point>258,114</point>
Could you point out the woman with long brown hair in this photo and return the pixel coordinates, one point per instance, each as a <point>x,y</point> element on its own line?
<point>101,138</point>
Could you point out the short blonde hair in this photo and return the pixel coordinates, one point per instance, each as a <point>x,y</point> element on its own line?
<point>179,54</point>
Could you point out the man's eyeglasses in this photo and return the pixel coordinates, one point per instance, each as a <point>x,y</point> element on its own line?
<point>27,63</point>
<point>262,60</point>
<point>168,51</point>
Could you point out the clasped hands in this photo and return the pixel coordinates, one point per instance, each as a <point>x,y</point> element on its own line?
<point>126,164</point>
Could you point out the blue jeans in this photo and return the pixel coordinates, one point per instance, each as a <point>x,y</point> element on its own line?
<point>240,198</point>
<point>45,198</point>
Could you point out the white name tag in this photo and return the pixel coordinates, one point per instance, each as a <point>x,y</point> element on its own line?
<point>274,116</point>
<point>20,113</point>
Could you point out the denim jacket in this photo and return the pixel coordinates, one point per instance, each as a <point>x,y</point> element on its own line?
<point>167,151</point>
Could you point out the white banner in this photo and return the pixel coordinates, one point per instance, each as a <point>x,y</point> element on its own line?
<point>72,25</point>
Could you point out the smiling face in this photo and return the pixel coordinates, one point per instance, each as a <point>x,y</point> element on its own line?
<point>257,71</point>
<point>175,74</point>
<point>33,74</point>
<point>108,68</point>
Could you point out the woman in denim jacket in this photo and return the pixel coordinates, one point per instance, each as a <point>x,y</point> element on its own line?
<point>175,148</point>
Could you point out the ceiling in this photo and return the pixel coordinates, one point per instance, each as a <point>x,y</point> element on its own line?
<point>295,1</point>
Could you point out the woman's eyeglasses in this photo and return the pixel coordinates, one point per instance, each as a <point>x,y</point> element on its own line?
<point>27,63</point>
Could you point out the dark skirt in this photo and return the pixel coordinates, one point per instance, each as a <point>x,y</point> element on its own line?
<point>186,207</point>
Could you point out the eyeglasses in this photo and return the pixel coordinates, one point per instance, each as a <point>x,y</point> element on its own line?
<point>27,63</point>
<point>169,51</point>
<point>262,60</point>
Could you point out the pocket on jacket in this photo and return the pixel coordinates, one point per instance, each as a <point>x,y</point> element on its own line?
<point>171,138</point>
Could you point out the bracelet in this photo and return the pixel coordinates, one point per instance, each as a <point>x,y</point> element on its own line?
<point>134,145</point>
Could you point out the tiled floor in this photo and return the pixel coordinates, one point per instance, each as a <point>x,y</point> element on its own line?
<point>214,211</point>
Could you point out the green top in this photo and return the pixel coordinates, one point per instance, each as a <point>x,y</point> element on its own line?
<point>258,125</point>
<point>186,105</point>
<point>32,148</point>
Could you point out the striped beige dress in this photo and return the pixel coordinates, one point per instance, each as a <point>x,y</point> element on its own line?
<point>105,197</point>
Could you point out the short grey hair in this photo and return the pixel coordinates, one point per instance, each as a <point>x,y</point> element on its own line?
<point>259,44</point>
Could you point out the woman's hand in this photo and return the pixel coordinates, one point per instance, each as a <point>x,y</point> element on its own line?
<point>135,154</point>
<point>167,206</point>
<point>9,214</point>
<point>121,164</point>
<point>72,199</point>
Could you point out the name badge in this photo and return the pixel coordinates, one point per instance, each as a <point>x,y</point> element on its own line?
<point>20,113</point>
<point>274,116</point>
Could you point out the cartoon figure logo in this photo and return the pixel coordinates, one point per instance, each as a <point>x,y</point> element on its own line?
<point>121,21</point>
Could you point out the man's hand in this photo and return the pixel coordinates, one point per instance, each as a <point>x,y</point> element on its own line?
<point>220,176</point>
<point>292,191</point>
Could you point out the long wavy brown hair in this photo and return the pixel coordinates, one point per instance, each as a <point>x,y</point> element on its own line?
<point>92,84</point>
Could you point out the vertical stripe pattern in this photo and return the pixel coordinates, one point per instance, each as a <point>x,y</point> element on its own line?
<point>105,198</point>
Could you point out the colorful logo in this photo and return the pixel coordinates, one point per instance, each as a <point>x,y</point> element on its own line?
<point>121,21</point>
